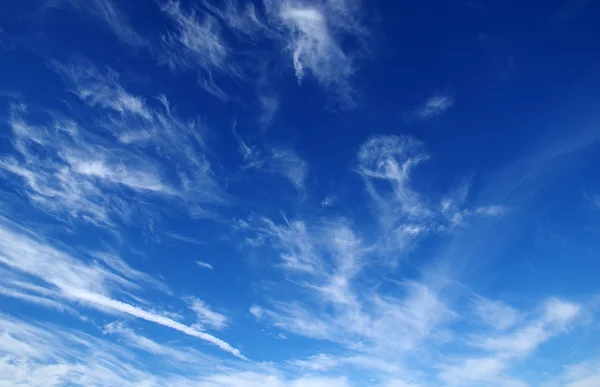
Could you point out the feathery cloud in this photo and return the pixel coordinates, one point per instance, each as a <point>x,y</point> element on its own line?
<point>503,348</point>
<point>280,161</point>
<point>196,42</point>
<point>312,36</point>
<point>204,265</point>
<point>89,172</point>
<point>206,316</point>
<point>107,13</point>
<point>435,106</point>
<point>71,279</point>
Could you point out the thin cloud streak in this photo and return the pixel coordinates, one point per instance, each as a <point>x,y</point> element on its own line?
<point>107,13</point>
<point>71,279</point>
<point>103,302</point>
<point>204,265</point>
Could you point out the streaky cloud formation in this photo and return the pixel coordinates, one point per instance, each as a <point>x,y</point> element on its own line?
<point>108,13</point>
<point>204,265</point>
<point>232,194</point>
<point>68,279</point>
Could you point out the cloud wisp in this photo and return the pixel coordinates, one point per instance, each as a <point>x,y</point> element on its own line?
<point>151,152</point>
<point>65,279</point>
<point>306,37</point>
<point>144,241</point>
<point>109,14</point>
<point>435,106</point>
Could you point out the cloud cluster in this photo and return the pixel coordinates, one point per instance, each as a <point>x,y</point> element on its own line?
<point>116,166</point>
<point>306,36</point>
<point>84,174</point>
<point>387,166</point>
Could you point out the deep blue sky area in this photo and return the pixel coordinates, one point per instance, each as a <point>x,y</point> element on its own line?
<point>287,193</point>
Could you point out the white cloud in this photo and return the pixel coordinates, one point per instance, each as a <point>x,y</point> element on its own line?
<point>269,105</point>
<point>206,316</point>
<point>170,353</point>
<point>435,106</point>
<point>79,171</point>
<point>257,311</point>
<point>131,176</point>
<point>105,303</point>
<point>42,354</point>
<point>104,90</point>
<point>288,164</point>
<point>452,208</point>
<point>184,238</point>
<point>70,279</point>
<point>386,165</point>
<point>314,46</point>
<point>108,13</point>
<point>196,42</point>
<point>582,374</point>
<point>280,161</point>
<point>392,159</point>
<point>204,265</point>
<point>496,313</point>
<point>556,315</point>
<point>323,362</point>
<point>328,201</point>
<point>596,200</point>
<point>504,348</point>
<point>242,18</point>
<point>326,260</point>
<point>473,371</point>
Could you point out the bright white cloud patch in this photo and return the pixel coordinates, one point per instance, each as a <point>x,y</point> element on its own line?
<point>313,32</point>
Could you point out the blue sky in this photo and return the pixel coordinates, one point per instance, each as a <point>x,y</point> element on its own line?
<point>290,193</point>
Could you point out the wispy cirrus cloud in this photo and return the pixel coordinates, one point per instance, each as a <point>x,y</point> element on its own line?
<point>197,40</point>
<point>313,33</point>
<point>98,89</point>
<point>45,354</point>
<point>206,316</point>
<point>109,14</point>
<point>168,353</point>
<point>148,150</point>
<point>503,348</point>
<point>326,260</point>
<point>307,37</point>
<point>582,374</point>
<point>66,279</point>
<point>274,160</point>
<point>594,200</point>
<point>387,165</point>
<point>269,105</point>
<point>204,265</point>
<point>435,106</point>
